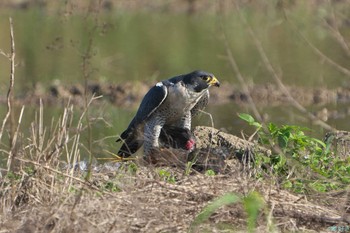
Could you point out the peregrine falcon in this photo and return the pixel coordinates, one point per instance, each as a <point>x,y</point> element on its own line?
<point>171,102</point>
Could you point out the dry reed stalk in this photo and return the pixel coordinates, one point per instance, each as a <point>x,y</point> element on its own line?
<point>73,156</point>
<point>11,57</point>
<point>93,10</point>
<point>47,147</point>
<point>39,179</point>
<point>72,177</point>
<point>14,142</point>
<point>37,136</point>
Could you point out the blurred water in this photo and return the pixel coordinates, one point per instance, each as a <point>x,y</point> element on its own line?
<point>153,46</point>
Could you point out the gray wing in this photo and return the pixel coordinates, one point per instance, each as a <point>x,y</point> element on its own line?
<point>201,104</point>
<point>152,100</point>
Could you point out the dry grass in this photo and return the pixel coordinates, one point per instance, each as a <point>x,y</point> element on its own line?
<point>43,203</point>
<point>41,196</point>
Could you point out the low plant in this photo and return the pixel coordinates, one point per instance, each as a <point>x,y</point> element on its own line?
<point>166,176</point>
<point>188,168</point>
<point>112,186</point>
<point>300,162</point>
<point>210,172</point>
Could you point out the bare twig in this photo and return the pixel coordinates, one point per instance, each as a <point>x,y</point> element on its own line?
<point>210,117</point>
<point>239,76</point>
<point>276,77</point>
<point>11,57</point>
<point>5,54</point>
<point>339,37</point>
<point>316,50</point>
<point>335,30</point>
<point>245,88</point>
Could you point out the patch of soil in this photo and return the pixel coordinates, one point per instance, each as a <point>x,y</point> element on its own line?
<point>130,94</point>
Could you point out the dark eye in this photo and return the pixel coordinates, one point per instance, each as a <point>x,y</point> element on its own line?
<point>204,77</point>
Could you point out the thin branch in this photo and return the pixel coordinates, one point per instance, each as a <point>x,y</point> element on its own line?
<point>239,76</point>
<point>4,54</point>
<point>12,79</point>
<point>339,37</point>
<point>210,117</point>
<point>335,30</point>
<point>316,50</point>
<point>86,57</point>
<point>277,79</point>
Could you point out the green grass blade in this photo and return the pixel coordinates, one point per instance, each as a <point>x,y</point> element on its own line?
<point>226,199</point>
<point>252,204</point>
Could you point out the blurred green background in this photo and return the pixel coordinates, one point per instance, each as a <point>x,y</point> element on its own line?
<point>148,41</point>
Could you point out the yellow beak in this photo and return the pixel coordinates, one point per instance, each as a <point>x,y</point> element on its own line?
<point>213,81</point>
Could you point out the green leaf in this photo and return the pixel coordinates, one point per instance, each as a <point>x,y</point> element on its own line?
<point>246,117</point>
<point>287,184</point>
<point>286,133</point>
<point>209,172</point>
<point>272,128</point>
<point>319,142</point>
<point>256,124</point>
<point>282,141</point>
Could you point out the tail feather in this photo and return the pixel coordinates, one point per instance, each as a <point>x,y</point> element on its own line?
<point>129,148</point>
<point>131,143</point>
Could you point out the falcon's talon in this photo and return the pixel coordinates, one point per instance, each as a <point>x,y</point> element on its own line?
<point>169,104</point>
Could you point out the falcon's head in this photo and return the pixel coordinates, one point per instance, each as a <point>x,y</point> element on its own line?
<point>200,80</point>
